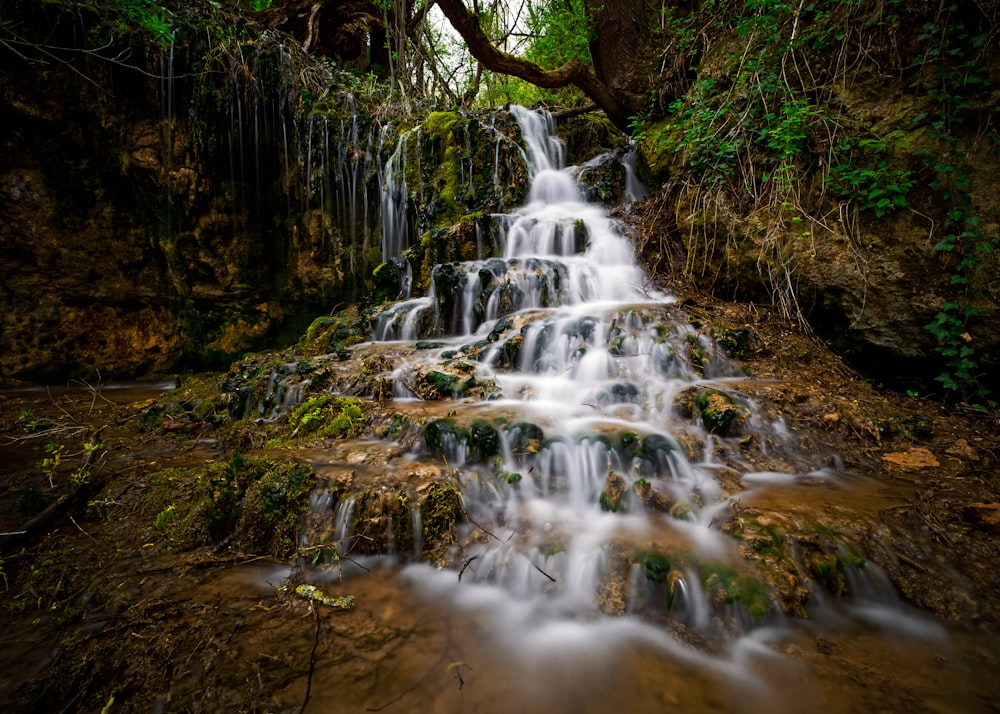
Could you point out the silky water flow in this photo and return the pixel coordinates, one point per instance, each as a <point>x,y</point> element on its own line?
<point>592,469</point>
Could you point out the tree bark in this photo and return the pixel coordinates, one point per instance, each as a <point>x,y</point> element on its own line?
<point>618,49</point>
<point>572,72</point>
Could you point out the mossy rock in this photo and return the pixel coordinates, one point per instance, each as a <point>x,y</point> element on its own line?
<point>272,509</point>
<point>658,147</point>
<point>728,586</point>
<point>655,566</point>
<point>441,435</point>
<point>252,504</point>
<point>385,283</point>
<point>603,183</point>
<point>644,492</point>
<point>329,417</point>
<point>383,522</point>
<point>485,438</point>
<point>457,165</point>
<point>509,353</point>
<point>194,404</point>
<point>614,496</point>
<point>441,510</point>
<point>735,343</point>
<point>435,385</point>
<point>525,438</point>
<point>384,518</point>
<point>334,334</point>
<point>721,414</point>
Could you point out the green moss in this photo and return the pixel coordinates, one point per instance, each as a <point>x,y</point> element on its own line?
<point>437,432</point>
<point>485,438</point>
<point>253,503</point>
<point>655,566</point>
<point>196,403</point>
<point>400,422</point>
<point>272,507</point>
<point>316,326</point>
<point>327,416</point>
<point>441,510</point>
<point>440,123</point>
<point>439,385</point>
<point>720,413</point>
<point>726,584</point>
<point>658,145</point>
<point>385,280</point>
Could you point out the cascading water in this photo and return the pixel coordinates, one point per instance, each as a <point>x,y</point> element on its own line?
<point>596,476</point>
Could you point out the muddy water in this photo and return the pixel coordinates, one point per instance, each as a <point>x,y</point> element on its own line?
<point>427,640</point>
<point>412,649</point>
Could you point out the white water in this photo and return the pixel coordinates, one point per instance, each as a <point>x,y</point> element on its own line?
<point>600,361</point>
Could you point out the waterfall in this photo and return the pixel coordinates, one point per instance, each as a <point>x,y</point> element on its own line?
<point>396,229</point>
<point>595,356</point>
<point>595,476</point>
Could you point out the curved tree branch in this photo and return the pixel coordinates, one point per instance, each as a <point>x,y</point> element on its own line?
<point>572,72</point>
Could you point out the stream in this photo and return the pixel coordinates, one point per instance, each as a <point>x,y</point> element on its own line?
<point>600,469</point>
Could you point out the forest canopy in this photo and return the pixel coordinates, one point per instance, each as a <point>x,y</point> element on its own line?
<point>568,51</point>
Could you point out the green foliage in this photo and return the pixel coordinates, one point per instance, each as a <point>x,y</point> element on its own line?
<point>955,82</point>
<point>955,344</point>
<point>562,31</point>
<point>32,424</point>
<point>762,118</point>
<point>752,124</point>
<point>146,15</point>
<point>50,464</point>
<point>866,173</point>
<point>558,31</point>
<point>165,518</point>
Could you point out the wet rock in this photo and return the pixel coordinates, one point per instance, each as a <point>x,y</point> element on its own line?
<point>721,414</point>
<point>445,437</point>
<point>484,438</point>
<point>615,488</point>
<point>985,516</point>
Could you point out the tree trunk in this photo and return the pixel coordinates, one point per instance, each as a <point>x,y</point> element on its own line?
<point>620,41</point>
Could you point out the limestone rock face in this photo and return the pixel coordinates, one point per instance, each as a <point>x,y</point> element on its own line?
<point>171,213</point>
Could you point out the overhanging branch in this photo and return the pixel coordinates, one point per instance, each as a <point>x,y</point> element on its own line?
<point>573,72</point>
